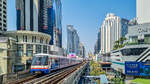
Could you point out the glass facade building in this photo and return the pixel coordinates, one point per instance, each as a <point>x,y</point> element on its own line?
<point>3,15</point>
<point>27,15</point>
<point>73,42</point>
<point>41,16</point>
<point>124,27</point>
<point>97,46</point>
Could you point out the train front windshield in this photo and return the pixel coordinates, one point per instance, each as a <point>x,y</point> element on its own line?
<point>40,60</point>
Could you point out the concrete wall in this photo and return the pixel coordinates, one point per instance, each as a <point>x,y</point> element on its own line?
<point>75,76</point>
<point>143,13</point>
<point>7,55</point>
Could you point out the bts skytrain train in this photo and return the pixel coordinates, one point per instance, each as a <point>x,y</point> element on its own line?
<point>45,63</point>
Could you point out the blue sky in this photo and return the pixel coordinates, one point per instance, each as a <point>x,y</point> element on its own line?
<point>85,15</point>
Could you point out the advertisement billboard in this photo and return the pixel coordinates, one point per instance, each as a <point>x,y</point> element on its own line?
<point>132,68</point>
<point>137,68</point>
<point>72,55</point>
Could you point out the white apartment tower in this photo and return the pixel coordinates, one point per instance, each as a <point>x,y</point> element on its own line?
<point>112,29</point>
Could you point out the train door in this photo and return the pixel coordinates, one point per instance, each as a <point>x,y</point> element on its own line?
<point>61,62</point>
<point>49,62</point>
<point>54,63</point>
<point>67,61</point>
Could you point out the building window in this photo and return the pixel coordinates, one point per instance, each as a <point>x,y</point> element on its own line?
<point>147,39</point>
<point>20,50</point>
<point>38,48</point>
<point>41,40</point>
<point>17,38</point>
<point>49,49</point>
<point>46,41</point>
<point>33,38</point>
<point>29,49</point>
<point>25,39</point>
<point>45,49</point>
<point>133,39</point>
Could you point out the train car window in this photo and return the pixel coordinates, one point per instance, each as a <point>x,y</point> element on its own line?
<point>52,60</point>
<point>44,60</point>
<point>67,61</point>
<point>59,61</point>
<point>36,60</point>
<point>63,60</point>
<point>56,62</point>
<point>49,60</point>
<point>40,60</point>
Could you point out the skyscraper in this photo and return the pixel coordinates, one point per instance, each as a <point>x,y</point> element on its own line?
<point>124,26</point>
<point>3,15</point>
<point>42,16</point>
<point>73,42</point>
<point>27,15</point>
<point>142,11</point>
<point>57,8</point>
<point>97,47</point>
<point>112,29</point>
<point>82,51</point>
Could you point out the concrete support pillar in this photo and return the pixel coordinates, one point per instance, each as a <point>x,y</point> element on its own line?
<point>24,58</point>
<point>34,49</point>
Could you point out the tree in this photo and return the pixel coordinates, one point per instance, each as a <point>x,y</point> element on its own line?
<point>122,39</point>
<point>120,43</point>
<point>96,69</point>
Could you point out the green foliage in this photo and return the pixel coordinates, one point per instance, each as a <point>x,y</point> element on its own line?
<point>133,43</point>
<point>119,43</point>
<point>141,81</point>
<point>98,81</point>
<point>96,69</point>
<point>117,80</point>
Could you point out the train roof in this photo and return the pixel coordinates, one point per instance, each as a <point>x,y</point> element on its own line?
<point>42,54</point>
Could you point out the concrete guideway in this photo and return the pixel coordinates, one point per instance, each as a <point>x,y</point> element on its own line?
<point>74,77</point>
<point>56,77</point>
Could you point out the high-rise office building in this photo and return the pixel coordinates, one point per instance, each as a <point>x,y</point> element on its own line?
<point>97,47</point>
<point>42,16</point>
<point>124,26</point>
<point>3,15</point>
<point>112,29</point>
<point>142,11</point>
<point>57,15</point>
<point>73,42</point>
<point>82,51</point>
<point>27,15</point>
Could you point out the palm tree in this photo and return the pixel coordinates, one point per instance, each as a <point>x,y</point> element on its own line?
<point>122,39</point>
<point>119,43</point>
